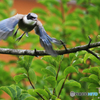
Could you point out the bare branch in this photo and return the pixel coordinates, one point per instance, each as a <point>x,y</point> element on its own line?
<point>89,51</point>
<point>42,53</point>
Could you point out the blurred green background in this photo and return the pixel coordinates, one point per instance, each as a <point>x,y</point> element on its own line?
<point>71,21</point>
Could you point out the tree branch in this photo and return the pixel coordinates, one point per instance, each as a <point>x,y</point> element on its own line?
<point>89,51</point>
<point>42,53</point>
<point>34,88</point>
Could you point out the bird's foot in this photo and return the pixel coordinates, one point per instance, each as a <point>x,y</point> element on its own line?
<point>19,38</point>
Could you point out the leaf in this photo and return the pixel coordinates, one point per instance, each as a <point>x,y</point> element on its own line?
<point>94,77</point>
<point>53,97</point>
<point>42,92</point>
<point>10,2</point>
<point>32,92</point>
<point>59,86</point>
<point>29,60</point>
<point>31,98</point>
<point>51,80</point>
<point>92,85</point>
<point>55,11</point>
<point>87,71</point>
<point>50,60</point>
<point>86,57</point>
<point>20,70</point>
<point>69,69</point>
<point>52,69</point>
<point>32,75</point>
<point>76,62</point>
<point>93,58</point>
<point>24,96</point>
<point>72,23</point>
<point>73,83</point>
<point>25,62</point>
<point>49,71</point>
<point>18,78</point>
<point>58,99</point>
<point>6,89</point>
<point>71,56</point>
<point>18,89</point>
<point>95,70</point>
<point>47,90</point>
<point>86,79</point>
<point>12,91</point>
<point>39,10</point>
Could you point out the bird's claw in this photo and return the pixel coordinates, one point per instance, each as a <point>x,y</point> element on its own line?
<point>18,39</point>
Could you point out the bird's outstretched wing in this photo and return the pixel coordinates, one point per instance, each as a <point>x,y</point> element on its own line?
<point>7,26</point>
<point>45,39</point>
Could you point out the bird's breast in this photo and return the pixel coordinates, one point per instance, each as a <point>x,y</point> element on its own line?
<point>25,27</point>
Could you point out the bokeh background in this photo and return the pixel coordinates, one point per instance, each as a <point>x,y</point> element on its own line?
<point>71,21</point>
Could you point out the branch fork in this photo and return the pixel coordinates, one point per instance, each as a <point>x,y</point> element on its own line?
<point>89,51</point>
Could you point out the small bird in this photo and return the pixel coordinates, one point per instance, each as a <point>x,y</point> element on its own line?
<point>27,23</point>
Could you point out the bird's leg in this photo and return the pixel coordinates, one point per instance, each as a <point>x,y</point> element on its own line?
<point>15,33</point>
<point>20,37</point>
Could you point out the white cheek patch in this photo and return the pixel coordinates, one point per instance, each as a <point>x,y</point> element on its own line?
<point>29,22</point>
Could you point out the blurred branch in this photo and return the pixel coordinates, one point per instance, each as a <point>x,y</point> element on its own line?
<point>34,88</point>
<point>42,53</point>
<point>62,86</point>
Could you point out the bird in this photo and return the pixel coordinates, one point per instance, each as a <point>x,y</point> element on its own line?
<point>27,23</point>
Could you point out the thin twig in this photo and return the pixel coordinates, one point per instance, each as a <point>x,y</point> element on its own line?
<point>62,86</point>
<point>89,40</point>
<point>31,83</point>
<point>63,44</point>
<point>57,75</point>
<point>89,51</point>
<point>34,88</point>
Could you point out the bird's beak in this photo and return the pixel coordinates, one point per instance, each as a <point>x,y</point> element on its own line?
<point>35,19</point>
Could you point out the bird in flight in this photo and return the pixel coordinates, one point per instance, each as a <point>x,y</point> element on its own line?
<point>27,23</point>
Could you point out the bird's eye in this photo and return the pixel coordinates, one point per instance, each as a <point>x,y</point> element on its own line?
<point>30,17</point>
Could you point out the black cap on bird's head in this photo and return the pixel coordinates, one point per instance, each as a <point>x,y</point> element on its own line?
<point>32,16</point>
<point>30,19</point>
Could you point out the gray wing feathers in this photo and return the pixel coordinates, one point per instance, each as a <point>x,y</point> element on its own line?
<point>45,40</point>
<point>7,26</point>
<point>48,47</point>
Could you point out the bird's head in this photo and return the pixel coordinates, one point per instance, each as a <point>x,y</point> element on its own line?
<point>30,19</point>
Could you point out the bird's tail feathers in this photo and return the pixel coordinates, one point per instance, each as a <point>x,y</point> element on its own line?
<point>48,46</point>
<point>53,40</point>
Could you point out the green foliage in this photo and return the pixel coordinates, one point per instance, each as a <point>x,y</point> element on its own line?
<point>69,70</point>
<point>53,78</point>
